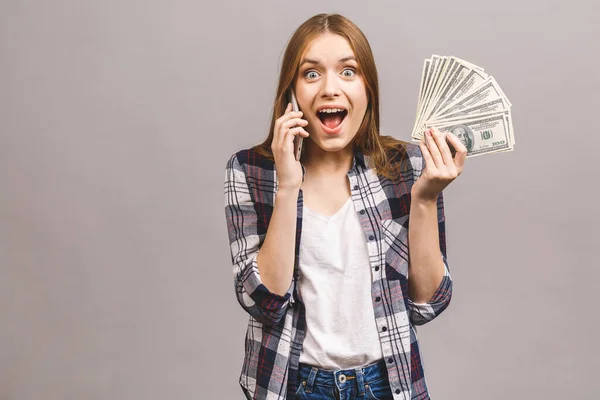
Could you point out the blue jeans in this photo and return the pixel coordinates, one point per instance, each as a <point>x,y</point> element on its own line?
<point>366,383</point>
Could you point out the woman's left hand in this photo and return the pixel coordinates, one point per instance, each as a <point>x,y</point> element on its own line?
<point>440,168</point>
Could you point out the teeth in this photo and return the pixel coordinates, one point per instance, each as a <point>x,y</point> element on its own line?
<point>331,110</point>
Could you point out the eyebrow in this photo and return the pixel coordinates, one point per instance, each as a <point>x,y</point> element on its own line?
<point>309,61</point>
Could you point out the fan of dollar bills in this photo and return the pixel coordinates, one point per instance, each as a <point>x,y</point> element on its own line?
<point>458,97</point>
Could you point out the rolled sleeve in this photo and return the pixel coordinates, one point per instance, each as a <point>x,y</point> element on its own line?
<point>266,307</point>
<point>421,313</point>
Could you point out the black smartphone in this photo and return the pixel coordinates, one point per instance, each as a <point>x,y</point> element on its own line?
<point>297,138</point>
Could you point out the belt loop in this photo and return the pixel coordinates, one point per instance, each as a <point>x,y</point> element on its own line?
<point>360,381</point>
<point>311,380</point>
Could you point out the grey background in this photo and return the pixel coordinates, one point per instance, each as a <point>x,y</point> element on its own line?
<point>117,119</point>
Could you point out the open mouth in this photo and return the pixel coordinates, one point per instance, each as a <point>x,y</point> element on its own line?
<point>332,118</point>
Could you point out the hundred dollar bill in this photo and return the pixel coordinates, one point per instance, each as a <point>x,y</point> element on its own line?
<point>507,114</point>
<point>485,99</point>
<point>475,112</point>
<point>424,72</point>
<point>459,96</point>
<point>429,81</point>
<point>487,92</point>
<point>473,79</point>
<point>485,134</point>
<point>470,65</point>
<point>457,75</point>
<point>447,68</point>
<point>468,112</point>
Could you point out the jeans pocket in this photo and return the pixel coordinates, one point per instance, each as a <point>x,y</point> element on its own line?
<point>300,392</point>
<point>380,391</point>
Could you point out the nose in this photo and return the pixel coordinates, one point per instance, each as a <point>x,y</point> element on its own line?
<point>331,87</point>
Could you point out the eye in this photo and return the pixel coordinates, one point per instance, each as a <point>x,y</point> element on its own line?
<point>306,74</point>
<point>353,72</point>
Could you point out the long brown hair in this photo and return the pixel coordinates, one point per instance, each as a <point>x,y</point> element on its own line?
<point>380,149</point>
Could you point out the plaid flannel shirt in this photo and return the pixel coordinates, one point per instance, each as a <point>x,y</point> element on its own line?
<point>277,325</point>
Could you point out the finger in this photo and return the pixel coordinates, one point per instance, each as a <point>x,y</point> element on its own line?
<point>294,122</point>
<point>433,149</point>
<point>287,114</point>
<point>291,114</point>
<point>289,124</point>
<point>426,154</point>
<point>287,120</point>
<point>278,136</point>
<point>290,135</point>
<point>287,110</point>
<point>277,126</point>
<point>283,124</point>
<point>440,140</point>
<point>461,151</point>
<point>298,131</point>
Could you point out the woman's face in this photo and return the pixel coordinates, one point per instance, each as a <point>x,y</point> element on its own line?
<point>328,78</point>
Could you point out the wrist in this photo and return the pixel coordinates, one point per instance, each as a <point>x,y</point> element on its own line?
<point>287,191</point>
<point>423,201</point>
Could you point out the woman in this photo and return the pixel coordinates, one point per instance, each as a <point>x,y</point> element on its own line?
<point>320,246</point>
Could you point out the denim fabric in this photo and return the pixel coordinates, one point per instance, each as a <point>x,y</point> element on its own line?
<point>366,383</point>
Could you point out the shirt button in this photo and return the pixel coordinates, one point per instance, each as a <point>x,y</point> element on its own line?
<point>355,187</point>
<point>390,360</point>
<point>371,237</point>
<point>384,329</point>
<point>377,268</point>
<point>362,212</point>
<point>377,298</point>
<point>397,391</point>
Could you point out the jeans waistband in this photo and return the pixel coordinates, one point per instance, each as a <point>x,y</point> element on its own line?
<point>311,375</point>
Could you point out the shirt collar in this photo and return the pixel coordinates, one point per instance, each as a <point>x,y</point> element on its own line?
<point>360,159</point>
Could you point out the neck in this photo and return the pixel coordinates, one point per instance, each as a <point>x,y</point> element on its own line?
<point>321,162</point>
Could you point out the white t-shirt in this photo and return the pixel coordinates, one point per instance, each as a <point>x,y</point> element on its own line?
<point>335,285</point>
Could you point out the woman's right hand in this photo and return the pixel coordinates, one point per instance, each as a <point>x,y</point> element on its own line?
<point>289,171</point>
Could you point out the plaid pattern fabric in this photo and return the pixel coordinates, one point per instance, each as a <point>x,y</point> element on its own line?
<point>277,325</point>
